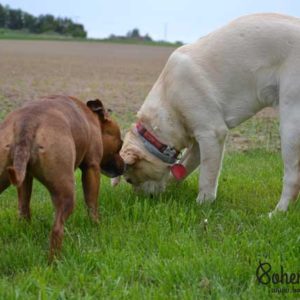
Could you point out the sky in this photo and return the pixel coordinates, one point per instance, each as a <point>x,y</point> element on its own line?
<point>172,20</point>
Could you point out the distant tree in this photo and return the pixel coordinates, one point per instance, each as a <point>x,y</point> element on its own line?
<point>48,23</point>
<point>3,16</point>
<point>148,38</point>
<point>29,21</point>
<point>77,30</point>
<point>15,19</point>
<point>38,24</point>
<point>179,43</point>
<point>67,23</point>
<point>133,34</point>
<point>60,26</point>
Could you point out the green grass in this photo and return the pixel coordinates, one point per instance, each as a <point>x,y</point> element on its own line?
<point>8,34</point>
<point>138,42</point>
<point>156,248</point>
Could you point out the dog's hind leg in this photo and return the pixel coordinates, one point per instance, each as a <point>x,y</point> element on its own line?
<point>63,200</point>
<point>91,183</point>
<point>24,195</point>
<point>290,147</point>
<point>54,167</point>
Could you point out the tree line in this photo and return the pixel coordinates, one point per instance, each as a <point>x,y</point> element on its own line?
<point>135,34</point>
<point>17,19</point>
<point>132,34</point>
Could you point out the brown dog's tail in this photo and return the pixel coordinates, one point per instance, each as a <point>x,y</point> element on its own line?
<point>21,156</point>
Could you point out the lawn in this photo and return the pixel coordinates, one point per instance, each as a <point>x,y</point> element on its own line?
<point>158,248</point>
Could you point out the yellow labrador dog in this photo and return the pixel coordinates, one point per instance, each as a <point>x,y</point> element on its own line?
<point>209,87</point>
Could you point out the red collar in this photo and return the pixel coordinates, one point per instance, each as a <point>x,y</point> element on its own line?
<point>162,148</point>
<point>164,152</point>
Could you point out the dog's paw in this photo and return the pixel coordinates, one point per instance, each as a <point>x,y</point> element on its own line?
<point>205,198</point>
<point>115,181</point>
<point>276,212</point>
<point>271,214</point>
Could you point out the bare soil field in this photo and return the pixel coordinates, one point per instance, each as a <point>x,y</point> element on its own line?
<point>120,75</point>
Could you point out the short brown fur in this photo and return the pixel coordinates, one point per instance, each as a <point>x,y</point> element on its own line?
<point>48,140</point>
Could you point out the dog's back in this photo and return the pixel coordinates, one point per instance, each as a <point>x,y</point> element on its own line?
<point>54,128</point>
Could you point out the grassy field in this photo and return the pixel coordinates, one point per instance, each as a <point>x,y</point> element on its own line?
<point>166,247</point>
<point>8,34</point>
<point>157,248</point>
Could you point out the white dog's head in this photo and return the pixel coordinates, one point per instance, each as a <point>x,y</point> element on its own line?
<point>143,170</point>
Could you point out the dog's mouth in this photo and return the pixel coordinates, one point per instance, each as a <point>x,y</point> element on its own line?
<point>113,169</point>
<point>110,173</point>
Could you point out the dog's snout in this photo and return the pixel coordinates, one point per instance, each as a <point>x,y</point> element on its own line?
<point>128,180</point>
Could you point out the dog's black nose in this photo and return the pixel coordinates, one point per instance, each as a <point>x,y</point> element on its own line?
<point>129,180</point>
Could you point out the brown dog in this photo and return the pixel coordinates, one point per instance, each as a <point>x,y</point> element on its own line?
<point>50,138</point>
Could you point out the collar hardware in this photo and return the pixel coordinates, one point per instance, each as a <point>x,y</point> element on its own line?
<point>164,152</point>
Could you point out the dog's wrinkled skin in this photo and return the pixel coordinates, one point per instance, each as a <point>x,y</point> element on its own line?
<point>48,139</point>
<point>213,85</point>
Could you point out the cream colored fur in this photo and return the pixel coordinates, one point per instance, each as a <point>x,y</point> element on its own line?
<point>215,84</point>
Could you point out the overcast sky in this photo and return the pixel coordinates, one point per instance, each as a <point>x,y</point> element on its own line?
<point>184,20</point>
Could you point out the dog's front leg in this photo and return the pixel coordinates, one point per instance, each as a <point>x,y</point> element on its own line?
<point>290,147</point>
<point>192,160</point>
<point>91,183</point>
<point>211,153</point>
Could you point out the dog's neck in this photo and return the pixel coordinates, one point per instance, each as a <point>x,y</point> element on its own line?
<point>162,121</point>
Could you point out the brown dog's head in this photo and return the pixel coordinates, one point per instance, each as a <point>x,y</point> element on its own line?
<point>112,165</point>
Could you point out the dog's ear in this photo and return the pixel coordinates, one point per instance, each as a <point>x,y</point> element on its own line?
<point>97,107</point>
<point>131,159</point>
<point>131,156</point>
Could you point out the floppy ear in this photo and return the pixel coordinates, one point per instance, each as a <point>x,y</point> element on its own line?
<point>97,107</point>
<point>131,156</point>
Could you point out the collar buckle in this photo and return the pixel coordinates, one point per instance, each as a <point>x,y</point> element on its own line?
<point>164,152</point>
<point>169,151</point>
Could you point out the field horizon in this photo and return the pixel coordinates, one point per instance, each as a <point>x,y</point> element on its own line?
<point>9,34</point>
